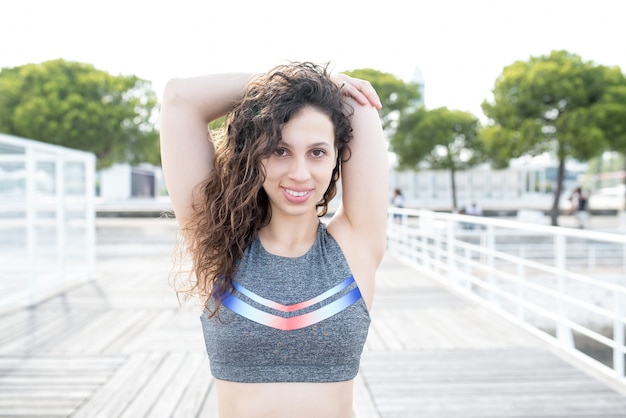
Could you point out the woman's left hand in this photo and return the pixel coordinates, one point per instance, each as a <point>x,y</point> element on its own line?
<point>360,90</point>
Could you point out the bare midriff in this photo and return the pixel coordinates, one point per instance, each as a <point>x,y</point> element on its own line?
<point>284,400</point>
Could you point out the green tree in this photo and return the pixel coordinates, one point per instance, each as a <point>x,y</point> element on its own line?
<point>398,97</point>
<point>75,105</point>
<point>610,112</point>
<point>549,104</point>
<point>439,139</point>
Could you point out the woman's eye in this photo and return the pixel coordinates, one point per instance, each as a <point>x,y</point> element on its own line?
<point>280,152</point>
<point>318,152</point>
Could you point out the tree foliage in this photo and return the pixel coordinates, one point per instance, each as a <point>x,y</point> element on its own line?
<point>555,103</point>
<point>439,139</point>
<point>75,105</point>
<point>611,114</point>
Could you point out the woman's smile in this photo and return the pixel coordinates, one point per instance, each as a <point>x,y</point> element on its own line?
<point>297,196</point>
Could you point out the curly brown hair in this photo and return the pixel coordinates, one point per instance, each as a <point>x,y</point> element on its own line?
<point>232,205</point>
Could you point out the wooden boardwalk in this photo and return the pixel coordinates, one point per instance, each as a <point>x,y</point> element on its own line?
<point>120,346</point>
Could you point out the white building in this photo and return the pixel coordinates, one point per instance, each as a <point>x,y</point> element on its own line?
<point>123,182</point>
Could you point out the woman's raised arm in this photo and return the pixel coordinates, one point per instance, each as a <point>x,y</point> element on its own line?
<point>187,151</point>
<point>365,176</point>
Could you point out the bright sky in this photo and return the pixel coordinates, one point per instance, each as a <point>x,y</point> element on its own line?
<point>460,46</point>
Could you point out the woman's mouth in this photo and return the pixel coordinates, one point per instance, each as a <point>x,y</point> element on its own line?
<point>296,193</point>
<point>296,196</point>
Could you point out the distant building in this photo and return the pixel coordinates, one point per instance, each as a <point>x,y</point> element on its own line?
<point>523,185</point>
<point>122,182</point>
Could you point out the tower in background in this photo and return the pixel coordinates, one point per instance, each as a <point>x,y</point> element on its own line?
<point>418,78</point>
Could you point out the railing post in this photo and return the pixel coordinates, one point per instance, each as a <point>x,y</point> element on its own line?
<point>468,268</point>
<point>437,244</point>
<point>59,191</point>
<point>392,231</point>
<point>520,286</point>
<point>450,249</point>
<point>491,248</point>
<point>563,332</point>
<point>30,166</point>
<point>425,228</point>
<point>618,336</point>
<point>90,211</point>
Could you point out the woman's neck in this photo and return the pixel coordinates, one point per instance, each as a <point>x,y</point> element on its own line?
<point>290,237</point>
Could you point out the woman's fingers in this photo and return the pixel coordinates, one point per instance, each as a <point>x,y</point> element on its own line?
<point>360,90</point>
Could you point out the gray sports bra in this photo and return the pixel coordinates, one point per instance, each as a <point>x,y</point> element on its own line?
<point>289,319</point>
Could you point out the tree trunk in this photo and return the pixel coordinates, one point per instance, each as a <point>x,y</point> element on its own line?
<point>554,213</point>
<point>453,184</point>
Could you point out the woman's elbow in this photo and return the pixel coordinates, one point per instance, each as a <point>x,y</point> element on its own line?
<point>172,91</point>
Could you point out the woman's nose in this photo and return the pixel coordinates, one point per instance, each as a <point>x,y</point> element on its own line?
<point>299,169</point>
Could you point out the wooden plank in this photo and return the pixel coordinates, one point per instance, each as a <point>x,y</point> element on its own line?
<point>137,332</point>
<point>197,400</point>
<point>95,336</point>
<point>44,329</point>
<point>175,389</point>
<point>383,326</point>
<point>142,404</point>
<point>209,407</point>
<point>47,410</point>
<point>374,340</point>
<point>12,325</point>
<point>172,331</point>
<point>484,383</point>
<point>112,398</point>
<point>50,386</point>
<point>363,405</point>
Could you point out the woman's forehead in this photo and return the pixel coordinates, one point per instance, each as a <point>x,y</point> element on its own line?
<point>309,125</point>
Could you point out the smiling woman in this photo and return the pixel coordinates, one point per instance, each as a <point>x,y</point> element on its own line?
<point>286,298</point>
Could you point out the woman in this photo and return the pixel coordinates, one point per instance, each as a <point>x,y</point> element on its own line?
<point>286,297</point>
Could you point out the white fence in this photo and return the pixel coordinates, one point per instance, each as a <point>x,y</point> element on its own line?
<point>47,219</point>
<point>566,285</point>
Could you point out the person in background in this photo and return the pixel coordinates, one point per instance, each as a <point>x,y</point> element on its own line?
<point>473,210</point>
<point>579,206</point>
<point>582,212</point>
<point>573,200</point>
<point>285,297</point>
<point>397,201</point>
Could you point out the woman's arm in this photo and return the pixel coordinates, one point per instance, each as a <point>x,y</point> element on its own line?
<point>365,176</point>
<point>187,150</point>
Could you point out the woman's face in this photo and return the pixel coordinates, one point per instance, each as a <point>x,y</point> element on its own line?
<point>300,169</point>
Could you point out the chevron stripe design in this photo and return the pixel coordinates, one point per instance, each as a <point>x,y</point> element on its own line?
<point>248,311</point>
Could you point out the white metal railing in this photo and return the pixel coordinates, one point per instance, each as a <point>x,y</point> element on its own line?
<point>47,219</point>
<point>563,284</point>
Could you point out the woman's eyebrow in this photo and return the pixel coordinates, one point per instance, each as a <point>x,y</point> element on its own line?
<point>284,144</point>
<point>320,144</point>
